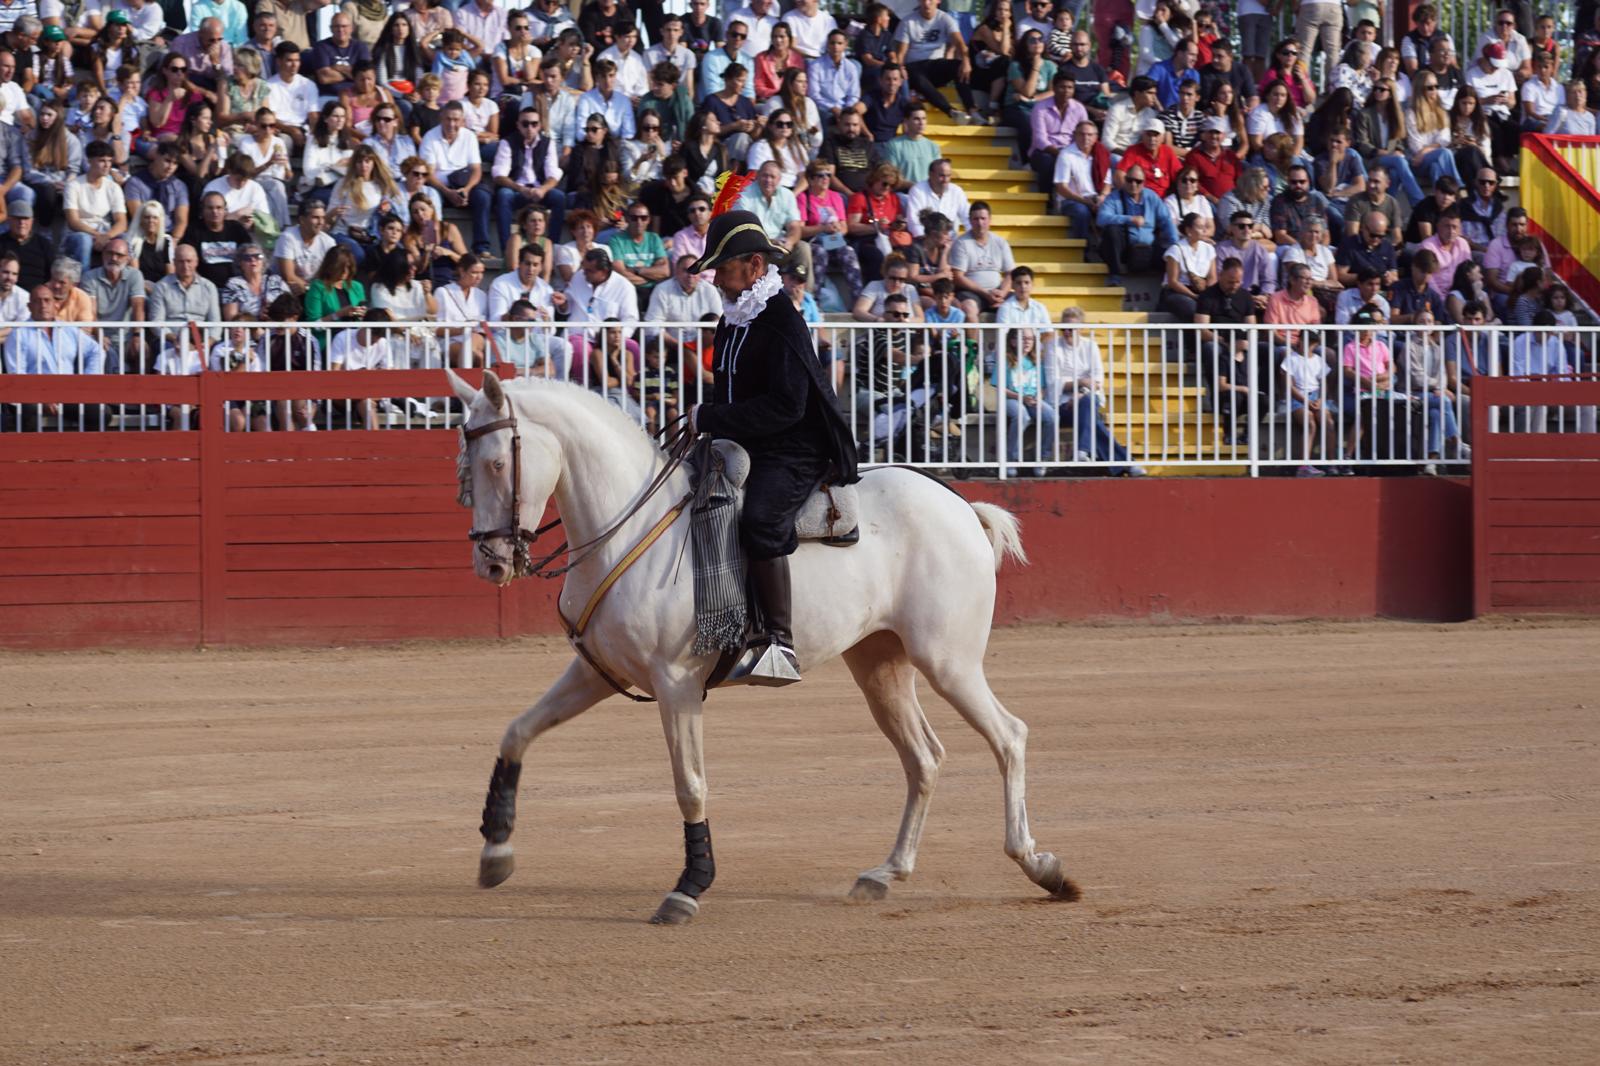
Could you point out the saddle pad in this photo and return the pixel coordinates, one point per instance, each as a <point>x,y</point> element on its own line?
<point>831,511</point>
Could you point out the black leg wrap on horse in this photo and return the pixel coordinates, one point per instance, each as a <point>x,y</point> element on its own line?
<point>500,806</point>
<point>699,868</point>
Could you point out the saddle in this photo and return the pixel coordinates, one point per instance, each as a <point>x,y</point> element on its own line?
<point>829,515</point>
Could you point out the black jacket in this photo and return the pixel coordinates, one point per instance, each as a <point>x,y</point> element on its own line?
<point>772,395</point>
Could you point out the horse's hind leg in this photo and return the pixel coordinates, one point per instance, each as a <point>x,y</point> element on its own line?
<point>574,692</point>
<point>965,687</point>
<point>889,682</point>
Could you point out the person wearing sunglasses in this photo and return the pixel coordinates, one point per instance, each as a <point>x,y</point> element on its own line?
<point>638,254</point>
<point>1288,68</point>
<point>525,171</point>
<point>713,68</point>
<point>1135,228</point>
<point>1518,57</point>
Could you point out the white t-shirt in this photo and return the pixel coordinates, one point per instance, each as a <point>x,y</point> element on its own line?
<point>97,208</point>
<point>1492,83</point>
<point>249,195</point>
<point>1192,262</point>
<point>293,102</point>
<point>810,35</point>
<point>1264,122</point>
<point>344,350</point>
<point>1320,262</point>
<point>307,258</point>
<point>507,289</point>
<point>478,114</point>
<point>1306,371</point>
<point>1545,99</point>
<point>447,157</point>
<point>457,305</point>
<point>12,100</point>
<point>927,39</point>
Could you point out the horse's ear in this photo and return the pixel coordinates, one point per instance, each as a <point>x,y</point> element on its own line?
<point>492,390</point>
<point>464,392</point>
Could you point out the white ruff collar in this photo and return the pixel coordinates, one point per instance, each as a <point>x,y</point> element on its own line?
<point>753,300</point>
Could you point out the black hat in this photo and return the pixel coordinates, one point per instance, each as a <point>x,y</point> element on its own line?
<point>795,267</point>
<point>732,235</point>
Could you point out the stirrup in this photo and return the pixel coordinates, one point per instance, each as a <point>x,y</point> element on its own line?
<point>768,664</point>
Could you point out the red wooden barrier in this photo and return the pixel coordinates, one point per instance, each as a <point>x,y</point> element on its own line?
<point>348,536</point>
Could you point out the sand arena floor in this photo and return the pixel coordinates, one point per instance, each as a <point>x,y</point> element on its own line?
<point>1308,844</point>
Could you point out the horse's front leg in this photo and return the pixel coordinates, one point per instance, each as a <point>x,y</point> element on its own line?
<point>680,720</point>
<point>574,692</point>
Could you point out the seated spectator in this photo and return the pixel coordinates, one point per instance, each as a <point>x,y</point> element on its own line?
<point>834,79</point>
<point>464,301</point>
<point>1080,373</point>
<point>1428,134</point>
<point>1217,166</point>
<point>336,294</point>
<point>1128,114</point>
<point>1573,118</point>
<point>912,152</point>
<point>779,145</point>
<point>72,303</point>
<point>482,115</point>
<point>683,298</point>
<point>876,226</point>
<point>874,45</point>
<point>1082,178</point>
<point>95,210</point>
<point>691,239</point>
<point>268,154</point>
<point>1296,205</point>
<point>1304,378</point>
<point>732,52</point>
<point>1275,114</point>
<point>1368,249</point>
<point>633,72</point>
<point>1252,195</point>
<point>1053,124</point>
<point>1153,156</point>
<point>1191,268</point>
<point>1312,249</point>
<point>937,193</point>
<point>1258,259</point>
<point>243,198</point>
<point>292,96</point>
<point>1020,308</point>
<point>869,306</point>
<point>28,243</point>
<point>1170,75</point>
<point>1466,286</point>
<point>1368,292</point>
<point>778,211</point>
<point>668,199</point>
<point>150,244</point>
<point>1377,200</point>
<point>886,106</point>
<point>365,194</point>
<point>332,61</point>
<point>1028,81</point>
<point>327,153</point>
<point>299,251</point>
<point>1187,199</point>
<point>1425,215</point>
<point>1428,374</point>
<point>811,28</point>
<point>851,152</point>
<point>1223,356</point>
<point>42,346</point>
<point>397,290</point>
<point>1366,379</point>
<point>930,257</point>
<point>1340,176</point>
<point>184,295</point>
<point>1449,248</point>
<point>980,265</point>
<point>603,359</point>
<point>413,183</point>
<point>216,238</point>
<point>532,349</point>
<point>638,255</point>
<point>210,57</point>
<point>823,227</point>
<point>251,291</point>
<point>1483,214</point>
<point>670,48</point>
<point>451,151</point>
<point>1135,228</point>
<point>668,101</point>
<point>1017,376</point>
<point>1500,259</point>
<point>584,226</point>
<point>730,116</point>
<point>778,59</point>
<point>13,298</point>
<point>1413,292</point>
<point>930,45</point>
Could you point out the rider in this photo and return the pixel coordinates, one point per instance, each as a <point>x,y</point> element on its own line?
<point>773,396</point>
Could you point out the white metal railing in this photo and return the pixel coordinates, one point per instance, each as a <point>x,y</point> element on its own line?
<point>991,398</point>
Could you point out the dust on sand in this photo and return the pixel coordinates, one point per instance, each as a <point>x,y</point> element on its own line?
<point>1318,844</point>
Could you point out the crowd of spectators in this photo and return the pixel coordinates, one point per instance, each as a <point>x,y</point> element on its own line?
<point>203,161</point>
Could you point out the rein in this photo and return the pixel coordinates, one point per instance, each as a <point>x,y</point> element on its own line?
<point>677,437</point>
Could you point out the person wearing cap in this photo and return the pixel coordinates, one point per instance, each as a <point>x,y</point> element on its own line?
<point>1152,155</point>
<point>773,396</point>
<point>32,248</point>
<point>1218,165</point>
<point>1496,87</point>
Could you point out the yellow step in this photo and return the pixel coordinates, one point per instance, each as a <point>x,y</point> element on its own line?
<point>987,189</point>
<point>940,128</point>
<point>982,155</point>
<point>1021,220</point>
<point>1196,471</point>
<point>1054,238</point>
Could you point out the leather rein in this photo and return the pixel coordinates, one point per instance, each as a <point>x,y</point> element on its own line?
<point>678,440</point>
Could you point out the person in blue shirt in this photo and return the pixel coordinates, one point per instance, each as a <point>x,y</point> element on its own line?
<point>42,346</point>
<point>835,79</point>
<point>1171,73</point>
<point>1135,228</point>
<point>719,59</point>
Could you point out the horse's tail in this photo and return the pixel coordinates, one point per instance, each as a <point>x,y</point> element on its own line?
<point>1004,532</point>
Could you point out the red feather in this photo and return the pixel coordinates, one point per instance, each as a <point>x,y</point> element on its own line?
<point>729,186</point>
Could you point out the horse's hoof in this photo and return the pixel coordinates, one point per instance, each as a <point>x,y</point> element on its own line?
<point>1054,881</point>
<point>495,865</point>
<point>868,890</point>
<point>676,909</point>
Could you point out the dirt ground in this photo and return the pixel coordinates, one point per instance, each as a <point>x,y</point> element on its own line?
<point>1298,843</point>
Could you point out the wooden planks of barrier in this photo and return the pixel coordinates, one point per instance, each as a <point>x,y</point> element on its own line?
<point>1536,500</point>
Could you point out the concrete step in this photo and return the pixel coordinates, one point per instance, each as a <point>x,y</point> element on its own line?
<point>941,129</point>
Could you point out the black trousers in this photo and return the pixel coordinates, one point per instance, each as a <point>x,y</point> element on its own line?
<point>774,492</point>
<point>927,76</point>
<point>1122,256</point>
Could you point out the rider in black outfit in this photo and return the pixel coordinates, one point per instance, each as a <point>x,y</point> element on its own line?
<point>772,396</point>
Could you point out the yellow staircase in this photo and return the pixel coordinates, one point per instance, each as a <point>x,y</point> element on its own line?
<point>1162,419</point>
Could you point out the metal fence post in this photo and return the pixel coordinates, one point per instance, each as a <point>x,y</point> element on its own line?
<point>1253,403</point>
<point>1000,428</point>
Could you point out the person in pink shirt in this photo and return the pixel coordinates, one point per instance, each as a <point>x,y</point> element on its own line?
<point>1294,305</point>
<point>1367,376</point>
<point>823,226</point>
<point>1451,248</point>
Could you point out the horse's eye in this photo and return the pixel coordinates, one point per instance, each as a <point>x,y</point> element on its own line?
<point>499,465</point>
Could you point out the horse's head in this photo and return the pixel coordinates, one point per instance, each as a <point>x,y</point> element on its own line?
<point>506,470</point>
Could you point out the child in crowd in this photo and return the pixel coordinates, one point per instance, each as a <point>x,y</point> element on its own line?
<point>452,64</point>
<point>425,115</point>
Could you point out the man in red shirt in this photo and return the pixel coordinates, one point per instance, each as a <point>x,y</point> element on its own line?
<point>1217,165</point>
<point>1153,155</point>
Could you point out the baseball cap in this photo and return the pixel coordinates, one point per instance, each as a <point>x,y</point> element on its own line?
<point>1216,123</point>
<point>1494,50</point>
<point>1367,316</point>
<point>53,33</point>
<point>1152,124</point>
<point>19,208</point>
<point>795,267</point>
<point>118,16</point>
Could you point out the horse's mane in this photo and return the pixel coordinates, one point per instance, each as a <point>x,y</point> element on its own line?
<point>555,394</point>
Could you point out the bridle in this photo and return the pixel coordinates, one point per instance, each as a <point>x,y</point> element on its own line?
<point>522,539</point>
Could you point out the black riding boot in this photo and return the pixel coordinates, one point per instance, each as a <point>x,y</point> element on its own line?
<point>770,662</point>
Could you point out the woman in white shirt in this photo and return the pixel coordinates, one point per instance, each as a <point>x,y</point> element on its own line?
<point>1428,135</point>
<point>241,194</point>
<point>791,97</point>
<point>1187,199</point>
<point>642,158</point>
<point>778,143</point>
<point>1275,114</point>
<point>1191,266</point>
<point>327,154</point>
<point>1074,381</point>
<point>268,152</point>
<point>365,193</point>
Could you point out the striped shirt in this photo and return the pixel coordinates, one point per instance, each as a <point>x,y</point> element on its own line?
<point>12,10</point>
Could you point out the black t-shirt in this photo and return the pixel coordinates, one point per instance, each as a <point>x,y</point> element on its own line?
<point>1086,80</point>
<point>883,120</point>
<point>1353,254</point>
<point>851,159</point>
<point>33,258</point>
<point>1425,211</point>
<point>671,214</point>
<point>1237,76</point>
<point>1225,310</point>
<point>218,249</point>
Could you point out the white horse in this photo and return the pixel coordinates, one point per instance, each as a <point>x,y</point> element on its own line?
<point>916,594</point>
